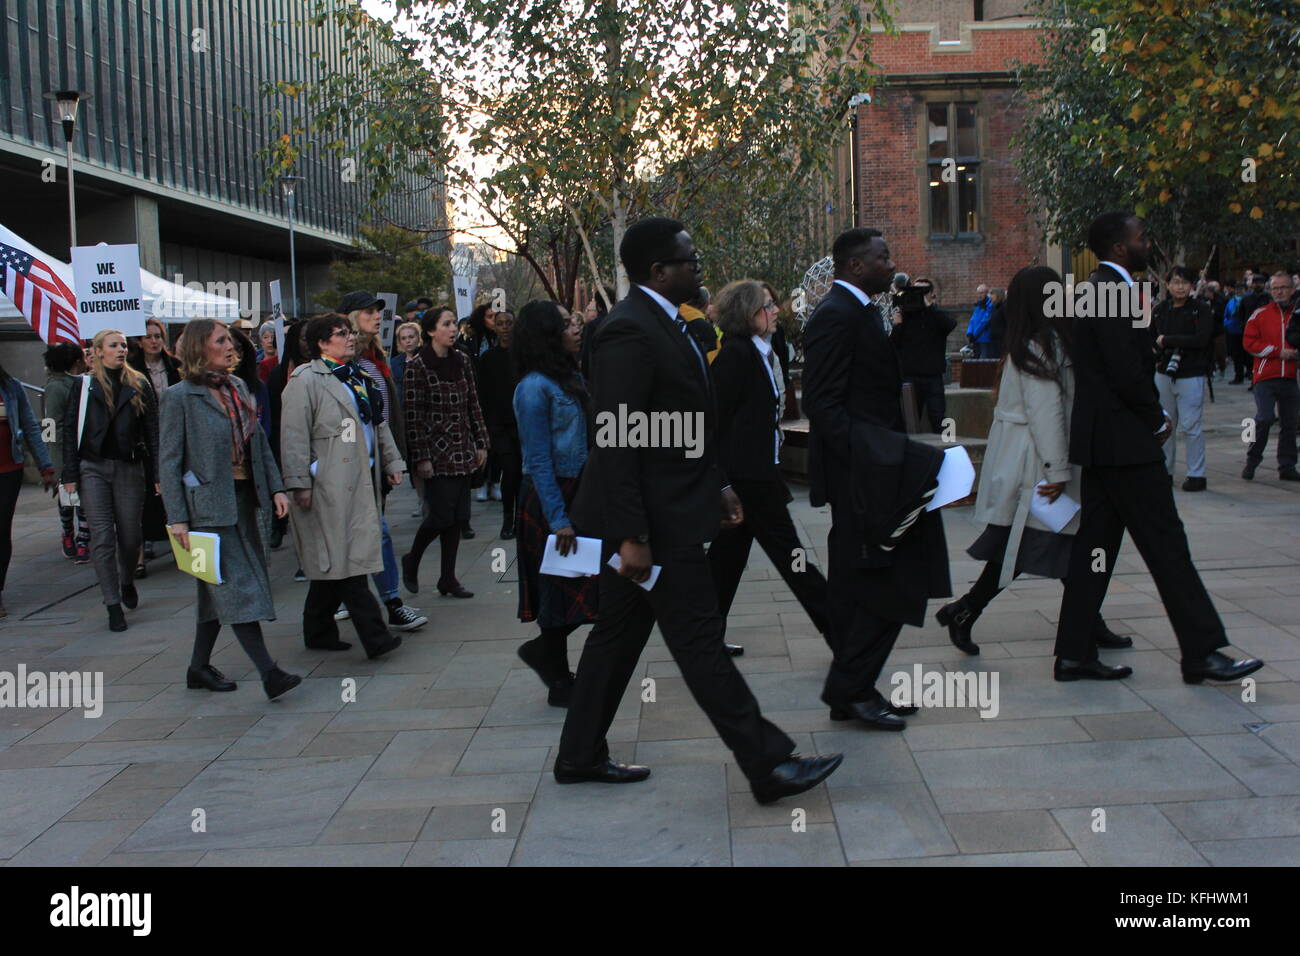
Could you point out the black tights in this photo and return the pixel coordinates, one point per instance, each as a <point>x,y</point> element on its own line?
<point>450,545</point>
<point>985,589</point>
<point>250,639</point>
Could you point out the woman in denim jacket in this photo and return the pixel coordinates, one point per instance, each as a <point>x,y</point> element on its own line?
<point>19,433</point>
<point>550,406</point>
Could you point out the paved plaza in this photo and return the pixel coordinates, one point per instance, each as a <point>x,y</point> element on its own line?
<point>444,756</point>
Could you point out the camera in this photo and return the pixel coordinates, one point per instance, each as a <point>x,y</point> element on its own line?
<point>1175,359</point>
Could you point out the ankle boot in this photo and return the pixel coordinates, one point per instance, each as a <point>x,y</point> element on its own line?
<point>116,619</point>
<point>959,617</point>
<point>276,682</point>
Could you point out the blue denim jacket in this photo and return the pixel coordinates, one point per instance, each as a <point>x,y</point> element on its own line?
<point>23,425</point>
<point>553,436</point>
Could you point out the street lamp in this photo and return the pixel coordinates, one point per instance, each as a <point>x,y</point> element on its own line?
<point>288,185</point>
<point>67,102</point>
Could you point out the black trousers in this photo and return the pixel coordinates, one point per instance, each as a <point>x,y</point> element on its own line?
<point>929,393</point>
<point>11,483</point>
<point>1237,352</point>
<point>767,520</point>
<point>323,600</point>
<point>860,639</point>
<point>1139,499</point>
<point>686,609</point>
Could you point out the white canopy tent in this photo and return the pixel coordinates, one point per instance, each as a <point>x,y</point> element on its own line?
<point>172,303</point>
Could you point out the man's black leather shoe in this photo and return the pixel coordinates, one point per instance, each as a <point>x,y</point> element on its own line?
<point>606,771</point>
<point>735,650</point>
<point>794,775</point>
<point>390,643</point>
<point>1218,667</point>
<point>1289,475</point>
<point>1066,669</point>
<point>875,714</point>
<point>1248,472</point>
<point>1109,639</point>
<point>1194,484</point>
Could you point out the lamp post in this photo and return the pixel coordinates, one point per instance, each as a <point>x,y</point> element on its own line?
<point>67,101</point>
<point>288,186</point>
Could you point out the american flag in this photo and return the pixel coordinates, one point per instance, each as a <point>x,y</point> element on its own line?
<point>39,294</point>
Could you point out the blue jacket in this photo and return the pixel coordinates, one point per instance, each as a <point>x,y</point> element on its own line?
<point>553,436</point>
<point>23,426</point>
<point>978,327</point>
<point>1232,322</point>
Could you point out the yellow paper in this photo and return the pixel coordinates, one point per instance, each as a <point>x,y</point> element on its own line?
<point>203,559</point>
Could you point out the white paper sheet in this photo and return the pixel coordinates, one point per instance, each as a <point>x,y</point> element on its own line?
<point>1055,514</point>
<point>616,562</point>
<point>576,564</point>
<point>956,478</point>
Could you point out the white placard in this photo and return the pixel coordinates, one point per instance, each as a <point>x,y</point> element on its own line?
<point>956,477</point>
<point>388,323</point>
<point>106,280</point>
<point>277,316</point>
<point>465,287</point>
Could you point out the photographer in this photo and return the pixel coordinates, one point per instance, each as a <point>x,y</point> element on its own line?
<point>1184,330</point>
<point>920,337</point>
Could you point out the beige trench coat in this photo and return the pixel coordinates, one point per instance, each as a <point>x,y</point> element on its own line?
<point>339,536</point>
<point>1028,443</point>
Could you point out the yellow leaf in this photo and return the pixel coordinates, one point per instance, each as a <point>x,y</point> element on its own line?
<point>1153,165</point>
<point>1203,156</point>
<point>1244,100</point>
<point>1166,195</point>
<point>1234,206</point>
<point>1136,112</point>
<point>1265,149</point>
<point>1185,125</point>
<point>1256,213</point>
<point>1128,47</point>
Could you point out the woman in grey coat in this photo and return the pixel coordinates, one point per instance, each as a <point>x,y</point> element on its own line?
<point>216,470</point>
<point>1028,444</point>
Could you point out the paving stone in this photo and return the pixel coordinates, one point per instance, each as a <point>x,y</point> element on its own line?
<point>1006,831</point>
<point>992,733</point>
<point>75,844</point>
<point>1250,759</point>
<point>1274,851</point>
<point>382,854</point>
<point>475,822</point>
<point>1139,726</point>
<point>35,798</point>
<point>1208,820</point>
<point>1041,858</point>
<point>461,853</point>
<point>421,754</point>
<point>890,821</point>
<point>1135,835</point>
<point>399,825</point>
<point>818,845</point>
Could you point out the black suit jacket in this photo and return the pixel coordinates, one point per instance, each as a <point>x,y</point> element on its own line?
<point>643,364</point>
<point>1116,406</point>
<point>862,462</point>
<point>747,412</point>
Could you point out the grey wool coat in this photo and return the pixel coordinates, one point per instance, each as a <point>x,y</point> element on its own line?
<point>194,435</point>
<point>339,536</point>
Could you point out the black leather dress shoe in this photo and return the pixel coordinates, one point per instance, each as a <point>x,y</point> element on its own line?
<point>1218,667</point>
<point>130,597</point>
<point>1194,484</point>
<point>390,643</point>
<point>794,775</point>
<point>207,676</point>
<point>1289,475</point>
<point>1109,639</point>
<point>875,714</point>
<point>1248,472</point>
<point>116,619</point>
<point>958,617</point>
<point>1066,669</point>
<point>735,650</point>
<point>327,645</point>
<point>607,771</point>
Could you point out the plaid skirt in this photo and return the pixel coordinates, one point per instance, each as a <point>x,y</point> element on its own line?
<point>544,598</point>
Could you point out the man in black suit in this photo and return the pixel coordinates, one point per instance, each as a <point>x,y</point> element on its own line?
<point>887,555</point>
<point>1116,430</point>
<point>655,502</point>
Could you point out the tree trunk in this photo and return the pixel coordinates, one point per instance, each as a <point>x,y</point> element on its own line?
<point>621,283</point>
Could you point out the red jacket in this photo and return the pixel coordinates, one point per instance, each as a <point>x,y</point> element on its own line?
<point>1264,338</point>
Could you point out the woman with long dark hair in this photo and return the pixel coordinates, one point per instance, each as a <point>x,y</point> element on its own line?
<point>551,407</point>
<point>150,358</point>
<point>18,430</point>
<point>478,338</point>
<point>245,369</point>
<point>216,472</point>
<point>110,455</point>
<point>65,363</point>
<point>447,439</point>
<point>1027,455</point>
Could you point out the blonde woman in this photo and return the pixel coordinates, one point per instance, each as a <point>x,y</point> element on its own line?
<point>110,455</point>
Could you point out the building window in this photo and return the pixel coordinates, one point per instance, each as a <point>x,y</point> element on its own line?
<point>953,170</point>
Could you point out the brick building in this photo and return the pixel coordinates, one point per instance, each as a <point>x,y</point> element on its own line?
<point>933,164</point>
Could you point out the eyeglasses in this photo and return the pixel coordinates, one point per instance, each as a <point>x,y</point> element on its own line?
<point>343,332</point>
<point>770,307</point>
<point>693,261</point>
